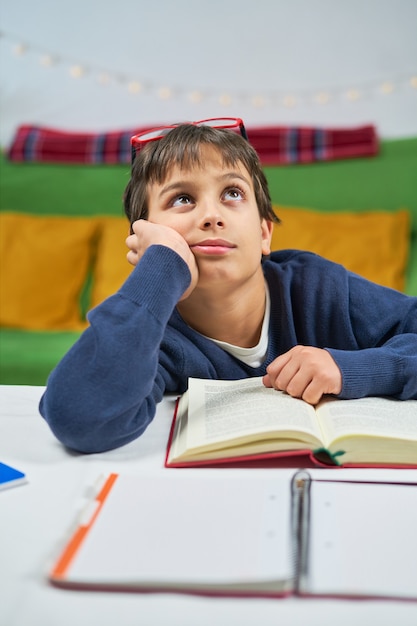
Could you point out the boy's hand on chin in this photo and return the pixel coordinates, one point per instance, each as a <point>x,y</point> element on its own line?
<point>305,372</point>
<point>146,234</point>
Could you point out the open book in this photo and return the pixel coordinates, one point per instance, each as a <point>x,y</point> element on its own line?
<point>219,421</point>
<point>244,532</point>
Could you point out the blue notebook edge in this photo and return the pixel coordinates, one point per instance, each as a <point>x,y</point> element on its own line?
<point>10,477</point>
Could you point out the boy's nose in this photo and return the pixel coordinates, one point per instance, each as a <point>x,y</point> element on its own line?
<point>211,217</point>
<point>211,221</point>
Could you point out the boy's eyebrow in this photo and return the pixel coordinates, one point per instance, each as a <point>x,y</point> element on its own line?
<point>182,183</point>
<point>229,175</point>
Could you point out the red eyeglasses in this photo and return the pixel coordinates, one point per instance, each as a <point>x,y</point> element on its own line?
<point>138,141</point>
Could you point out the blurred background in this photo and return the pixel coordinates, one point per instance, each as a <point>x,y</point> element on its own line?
<point>102,65</point>
<point>94,71</point>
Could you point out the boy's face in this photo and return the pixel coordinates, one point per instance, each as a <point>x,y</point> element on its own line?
<point>214,208</point>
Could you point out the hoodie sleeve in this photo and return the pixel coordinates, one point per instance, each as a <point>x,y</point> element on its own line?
<point>104,391</point>
<point>384,323</point>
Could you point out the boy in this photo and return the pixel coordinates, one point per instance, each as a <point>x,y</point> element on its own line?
<point>204,300</point>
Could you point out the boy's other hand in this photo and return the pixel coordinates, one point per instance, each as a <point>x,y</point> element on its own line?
<point>305,372</point>
<point>146,234</point>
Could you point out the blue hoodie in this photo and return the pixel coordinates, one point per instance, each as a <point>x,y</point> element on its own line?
<point>104,391</point>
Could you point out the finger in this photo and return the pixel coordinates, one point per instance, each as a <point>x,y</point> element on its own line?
<point>313,393</point>
<point>137,225</point>
<point>131,241</point>
<point>274,369</point>
<point>322,382</point>
<point>298,383</point>
<point>266,380</point>
<point>289,377</point>
<point>132,257</point>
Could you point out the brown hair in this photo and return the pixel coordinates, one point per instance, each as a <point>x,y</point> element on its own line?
<point>181,147</point>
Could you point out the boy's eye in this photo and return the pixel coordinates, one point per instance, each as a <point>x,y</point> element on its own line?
<point>182,200</point>
<point>234,193</point>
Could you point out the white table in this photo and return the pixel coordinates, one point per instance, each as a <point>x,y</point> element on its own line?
<point>34,518</point>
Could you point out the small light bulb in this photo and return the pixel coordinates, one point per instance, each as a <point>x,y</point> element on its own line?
<point>387,88</point>
<point>322,97</point>
<point>353,94</point>
<point>103,78</point>
<point>134,86</point>
<point>76,71</point>
<point>164,93</point>
<point>47,60</point>
<point>289,101</point>
<point>258,101</point>
<point>19,49</point>
<point>225,99</point>
<point>196,96</point>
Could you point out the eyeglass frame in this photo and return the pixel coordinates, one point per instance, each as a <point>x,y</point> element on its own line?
<point>137,143</point>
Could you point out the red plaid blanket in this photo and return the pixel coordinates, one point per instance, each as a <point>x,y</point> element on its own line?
<point>275,145</point>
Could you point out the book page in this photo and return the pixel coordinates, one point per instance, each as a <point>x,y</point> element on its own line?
<point>363,539</point>
<point>220,411</point>
<point>384,417</point>
<point>193,529</point>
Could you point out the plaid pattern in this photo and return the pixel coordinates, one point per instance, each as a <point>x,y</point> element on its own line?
<point>288,145</point>
<point>275,145</point>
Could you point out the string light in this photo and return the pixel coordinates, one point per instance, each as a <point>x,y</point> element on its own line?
<point>258,102</point>
<point>164,93</point>
<point>353,94</point>
<point>104,78</point>
<point>195,97</point>
<point>46,60</point>
<point>134,86</point>
<point>76,71</point>
<point>289,100</point>
<point>19,49</point>
<point>322,97</point>
<point>225,99</point>
<point>387,88</point>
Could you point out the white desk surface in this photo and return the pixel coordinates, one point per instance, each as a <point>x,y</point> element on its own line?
<point>35,517</point>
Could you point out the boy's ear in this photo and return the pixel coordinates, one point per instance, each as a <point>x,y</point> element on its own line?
<point>266,229</point>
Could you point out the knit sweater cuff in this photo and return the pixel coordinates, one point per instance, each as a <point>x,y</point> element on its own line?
<point>368,372</point>
<point>158,281</point>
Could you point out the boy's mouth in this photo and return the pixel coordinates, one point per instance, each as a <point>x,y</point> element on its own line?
<point>213,246</point>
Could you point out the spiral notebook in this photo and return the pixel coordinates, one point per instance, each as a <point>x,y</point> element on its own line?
<point>244,533</point>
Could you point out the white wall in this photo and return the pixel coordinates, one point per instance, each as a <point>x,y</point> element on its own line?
<point>285,53</point>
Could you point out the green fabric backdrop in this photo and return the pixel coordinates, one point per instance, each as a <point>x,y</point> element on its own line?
<point>388,181</point>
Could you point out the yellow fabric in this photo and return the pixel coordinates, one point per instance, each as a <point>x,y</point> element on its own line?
<point>373,244</point>
<point>111,267</point>
<point>44,262</point>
